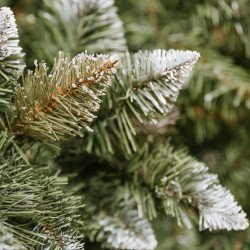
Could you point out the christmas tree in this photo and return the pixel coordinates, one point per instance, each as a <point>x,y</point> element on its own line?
<point>95,142</point>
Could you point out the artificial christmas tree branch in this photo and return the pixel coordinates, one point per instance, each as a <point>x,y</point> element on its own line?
<point>125,172</point>
<point>124,229</point>
<point>35,209</point>
<point>55,105</point>
<point>147,84</point>
<point>115,221</point>
<point>181,182</point>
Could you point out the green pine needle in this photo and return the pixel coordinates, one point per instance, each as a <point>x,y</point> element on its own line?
<point>113,220</point>
<point>145,88</point>
<point>35,210</point>
<point>53,106</point>
<point>183,185</point>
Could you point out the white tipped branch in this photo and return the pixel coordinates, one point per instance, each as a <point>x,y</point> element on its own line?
<point>124,229</point>
<point>60,104</point>
<point>117,232</point>
<point>184,186</point>
<point>189,183</point>
<point>144,90</point>
<point>67,243</point>
<point>219,210</point>
<point>9,48</point>
<point>158,77</point>
<point>11,56</point>
<point>114,221</point>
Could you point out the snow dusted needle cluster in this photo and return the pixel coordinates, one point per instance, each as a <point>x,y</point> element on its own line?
<point>61,103</point>
<point>165,60</point>
<point>146,87</point>
<point>159,76</point>
<point>117,235</point>
<point>10,52</point>
<point>8,27</point>
<point>197,187</point>
<point>219,210</point>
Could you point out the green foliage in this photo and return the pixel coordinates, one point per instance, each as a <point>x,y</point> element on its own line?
<point>52,106</point>
<point>227,20</point>
<point>218,30</point>
<point>145,88</point>
<point>114,222</point>
<point>222,101</point>
<point>4,3</point>
<point>128,175</point>
<point>184,185</point>
<point>214,105</point>
<point>35,211</point>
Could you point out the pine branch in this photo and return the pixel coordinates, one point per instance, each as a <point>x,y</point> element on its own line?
<point>35,209</point>
<point>156,79</point>
<point>76,26</point>
<point>145,89</point>
<point>123,230</point>
<point>113,220</point>
<point>11,57</point>
<point>54,106</point>
<point>183,185</point>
